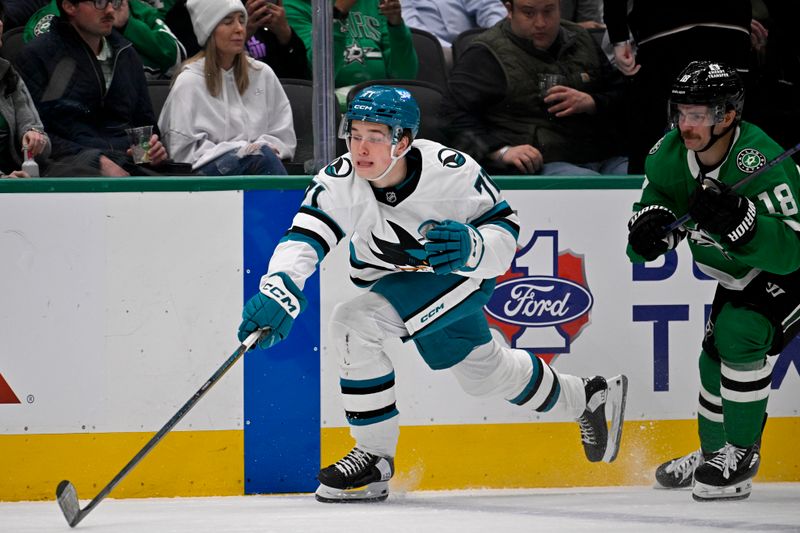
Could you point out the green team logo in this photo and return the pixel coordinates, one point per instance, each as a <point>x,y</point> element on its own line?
<point>43,26</point>
<point>656,146</point>
<point>749,160</point>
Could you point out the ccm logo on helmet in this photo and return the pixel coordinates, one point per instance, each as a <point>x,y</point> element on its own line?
<point>361,106</point>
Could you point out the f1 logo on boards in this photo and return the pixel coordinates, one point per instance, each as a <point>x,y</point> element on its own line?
<point>6,394</point>
<point>543,302</point>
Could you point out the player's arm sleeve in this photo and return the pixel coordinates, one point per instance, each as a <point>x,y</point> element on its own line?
<point>776,244</point>
<point>498,225</point>
<point>314,232</point>
<point>399,52</point>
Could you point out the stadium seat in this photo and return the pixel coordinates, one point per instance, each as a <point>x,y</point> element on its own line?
<point>432,66</point>
<point>463,40</point>
<point>159,90</point>
<point>301,98</point>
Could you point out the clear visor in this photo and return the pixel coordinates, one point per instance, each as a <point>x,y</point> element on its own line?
<point>371,137</point>
<point>695,115</point>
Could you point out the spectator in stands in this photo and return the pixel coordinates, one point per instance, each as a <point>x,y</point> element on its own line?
<point>270,39</point>
<point>87,97</point>
<point>227,114</point>
<point>370,39</point>
<point>140,23</point>
<point>497,111</point>
<point>17,12</point>
<point>587,13</point>
<point>19,122</point>
<point>667,35</point>
<point>446,19</point>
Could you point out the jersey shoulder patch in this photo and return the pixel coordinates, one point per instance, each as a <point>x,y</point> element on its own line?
<point>450,158</point>
<point>656,146</point>
<point>340,167</point>
<point>748,160</point>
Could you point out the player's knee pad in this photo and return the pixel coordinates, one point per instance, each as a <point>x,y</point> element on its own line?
<point>491,369</point>
<point>742,337</point>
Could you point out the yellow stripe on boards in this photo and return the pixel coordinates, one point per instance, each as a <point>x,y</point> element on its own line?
<point>551,454</point>
<point>184,463</point>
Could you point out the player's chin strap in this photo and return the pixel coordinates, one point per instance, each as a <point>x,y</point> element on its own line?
<point>395,159</point>
<point>715,137</point>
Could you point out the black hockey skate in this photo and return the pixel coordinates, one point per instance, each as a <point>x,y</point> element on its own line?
<point>727,474</point>
<point>679,472</point>
<point>604,398</point>
<point>357,477</point>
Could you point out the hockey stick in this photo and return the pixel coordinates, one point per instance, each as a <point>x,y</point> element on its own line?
<point>741,183</point>
<point>67,496</point>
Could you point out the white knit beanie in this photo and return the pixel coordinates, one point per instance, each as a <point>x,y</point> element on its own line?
<point>206,14</point>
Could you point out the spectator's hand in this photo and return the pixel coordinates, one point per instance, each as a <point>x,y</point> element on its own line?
<point>265,14</point>
<point>111,169</point>
<point>592,25</point>
<point>16,174</point>
<point>34,141</point>
<point>565,101</point>
<point>391,9</point>
<point>524,157</point>
<point>158,154</point>
<point>122,15</point>
<point>758,35</point>
<point>626,59</point>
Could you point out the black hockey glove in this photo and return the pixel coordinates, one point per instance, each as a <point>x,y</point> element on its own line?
<point>719,209</point>
<point>647,232</point>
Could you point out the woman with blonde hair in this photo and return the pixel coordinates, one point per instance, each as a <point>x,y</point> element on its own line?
<point>227,114</point>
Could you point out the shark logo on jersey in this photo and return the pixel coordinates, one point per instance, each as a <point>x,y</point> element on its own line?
<point>407,254</point>
<point>450,158</point>
<point>542,303</point>
<point>749,160</point>
<point>339,168</point>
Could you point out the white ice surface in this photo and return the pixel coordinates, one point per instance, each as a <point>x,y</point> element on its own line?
<point>771,507</point>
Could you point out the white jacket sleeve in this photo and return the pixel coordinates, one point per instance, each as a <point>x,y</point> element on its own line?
<point>279,133</point>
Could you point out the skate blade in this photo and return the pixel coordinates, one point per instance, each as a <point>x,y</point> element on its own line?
<point>374,492</point>
<point>617,395</point>
<point>710,493</point>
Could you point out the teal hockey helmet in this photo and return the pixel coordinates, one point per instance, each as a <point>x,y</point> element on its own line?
<point>382,104</point>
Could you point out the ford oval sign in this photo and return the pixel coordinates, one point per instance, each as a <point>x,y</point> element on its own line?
<point>539,301</point>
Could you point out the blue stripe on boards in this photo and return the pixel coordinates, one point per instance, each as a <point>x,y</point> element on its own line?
<point>281,385</point>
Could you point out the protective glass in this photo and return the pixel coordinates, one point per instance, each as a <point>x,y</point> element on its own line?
<point>102,4</point>
<point>371,138</point>
<point>695,115</point>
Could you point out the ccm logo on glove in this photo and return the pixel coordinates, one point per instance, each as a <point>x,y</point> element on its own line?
<point>274,287</point>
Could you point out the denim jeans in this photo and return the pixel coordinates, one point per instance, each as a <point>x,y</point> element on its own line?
<point>613,166</point>
<point>263,163</point>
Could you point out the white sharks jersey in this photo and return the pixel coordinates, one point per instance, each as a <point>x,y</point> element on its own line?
<point>386,226</point>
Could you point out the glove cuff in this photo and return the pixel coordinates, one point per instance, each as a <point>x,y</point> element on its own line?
<point>284,291</point>
<point>655,208</point>
<point>744,232</point>
<point>476,249</point>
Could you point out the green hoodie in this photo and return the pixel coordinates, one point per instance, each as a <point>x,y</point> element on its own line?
<point>365,46</point>
<point>159,49</point>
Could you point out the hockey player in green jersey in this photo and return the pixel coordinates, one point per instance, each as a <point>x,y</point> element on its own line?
<point>429,232</point>
<point>744,237</point>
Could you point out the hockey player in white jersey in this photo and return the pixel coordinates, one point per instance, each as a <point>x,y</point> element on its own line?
<point>429,232</point>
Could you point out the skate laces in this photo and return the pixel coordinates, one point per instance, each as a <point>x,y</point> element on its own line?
<point>685,465</point>
<point>353,462</point>
<point>588,434</point>
<point>727,459</point>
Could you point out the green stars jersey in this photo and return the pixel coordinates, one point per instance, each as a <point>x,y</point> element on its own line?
<point>671,175</point>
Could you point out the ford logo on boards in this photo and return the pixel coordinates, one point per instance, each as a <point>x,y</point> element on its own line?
<point>539,301</point>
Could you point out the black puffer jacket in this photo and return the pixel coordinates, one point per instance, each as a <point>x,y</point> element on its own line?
<point>66,82</point>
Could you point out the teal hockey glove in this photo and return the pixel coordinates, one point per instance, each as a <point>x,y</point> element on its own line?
<point>275,307</point>
<point>453,247</point>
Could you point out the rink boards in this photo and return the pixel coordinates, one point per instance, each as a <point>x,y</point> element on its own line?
<point>118,304</point>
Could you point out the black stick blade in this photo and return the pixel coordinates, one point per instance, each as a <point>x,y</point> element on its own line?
<point>67,498</point>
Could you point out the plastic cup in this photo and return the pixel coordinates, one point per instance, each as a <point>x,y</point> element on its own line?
<point>140,143</point>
